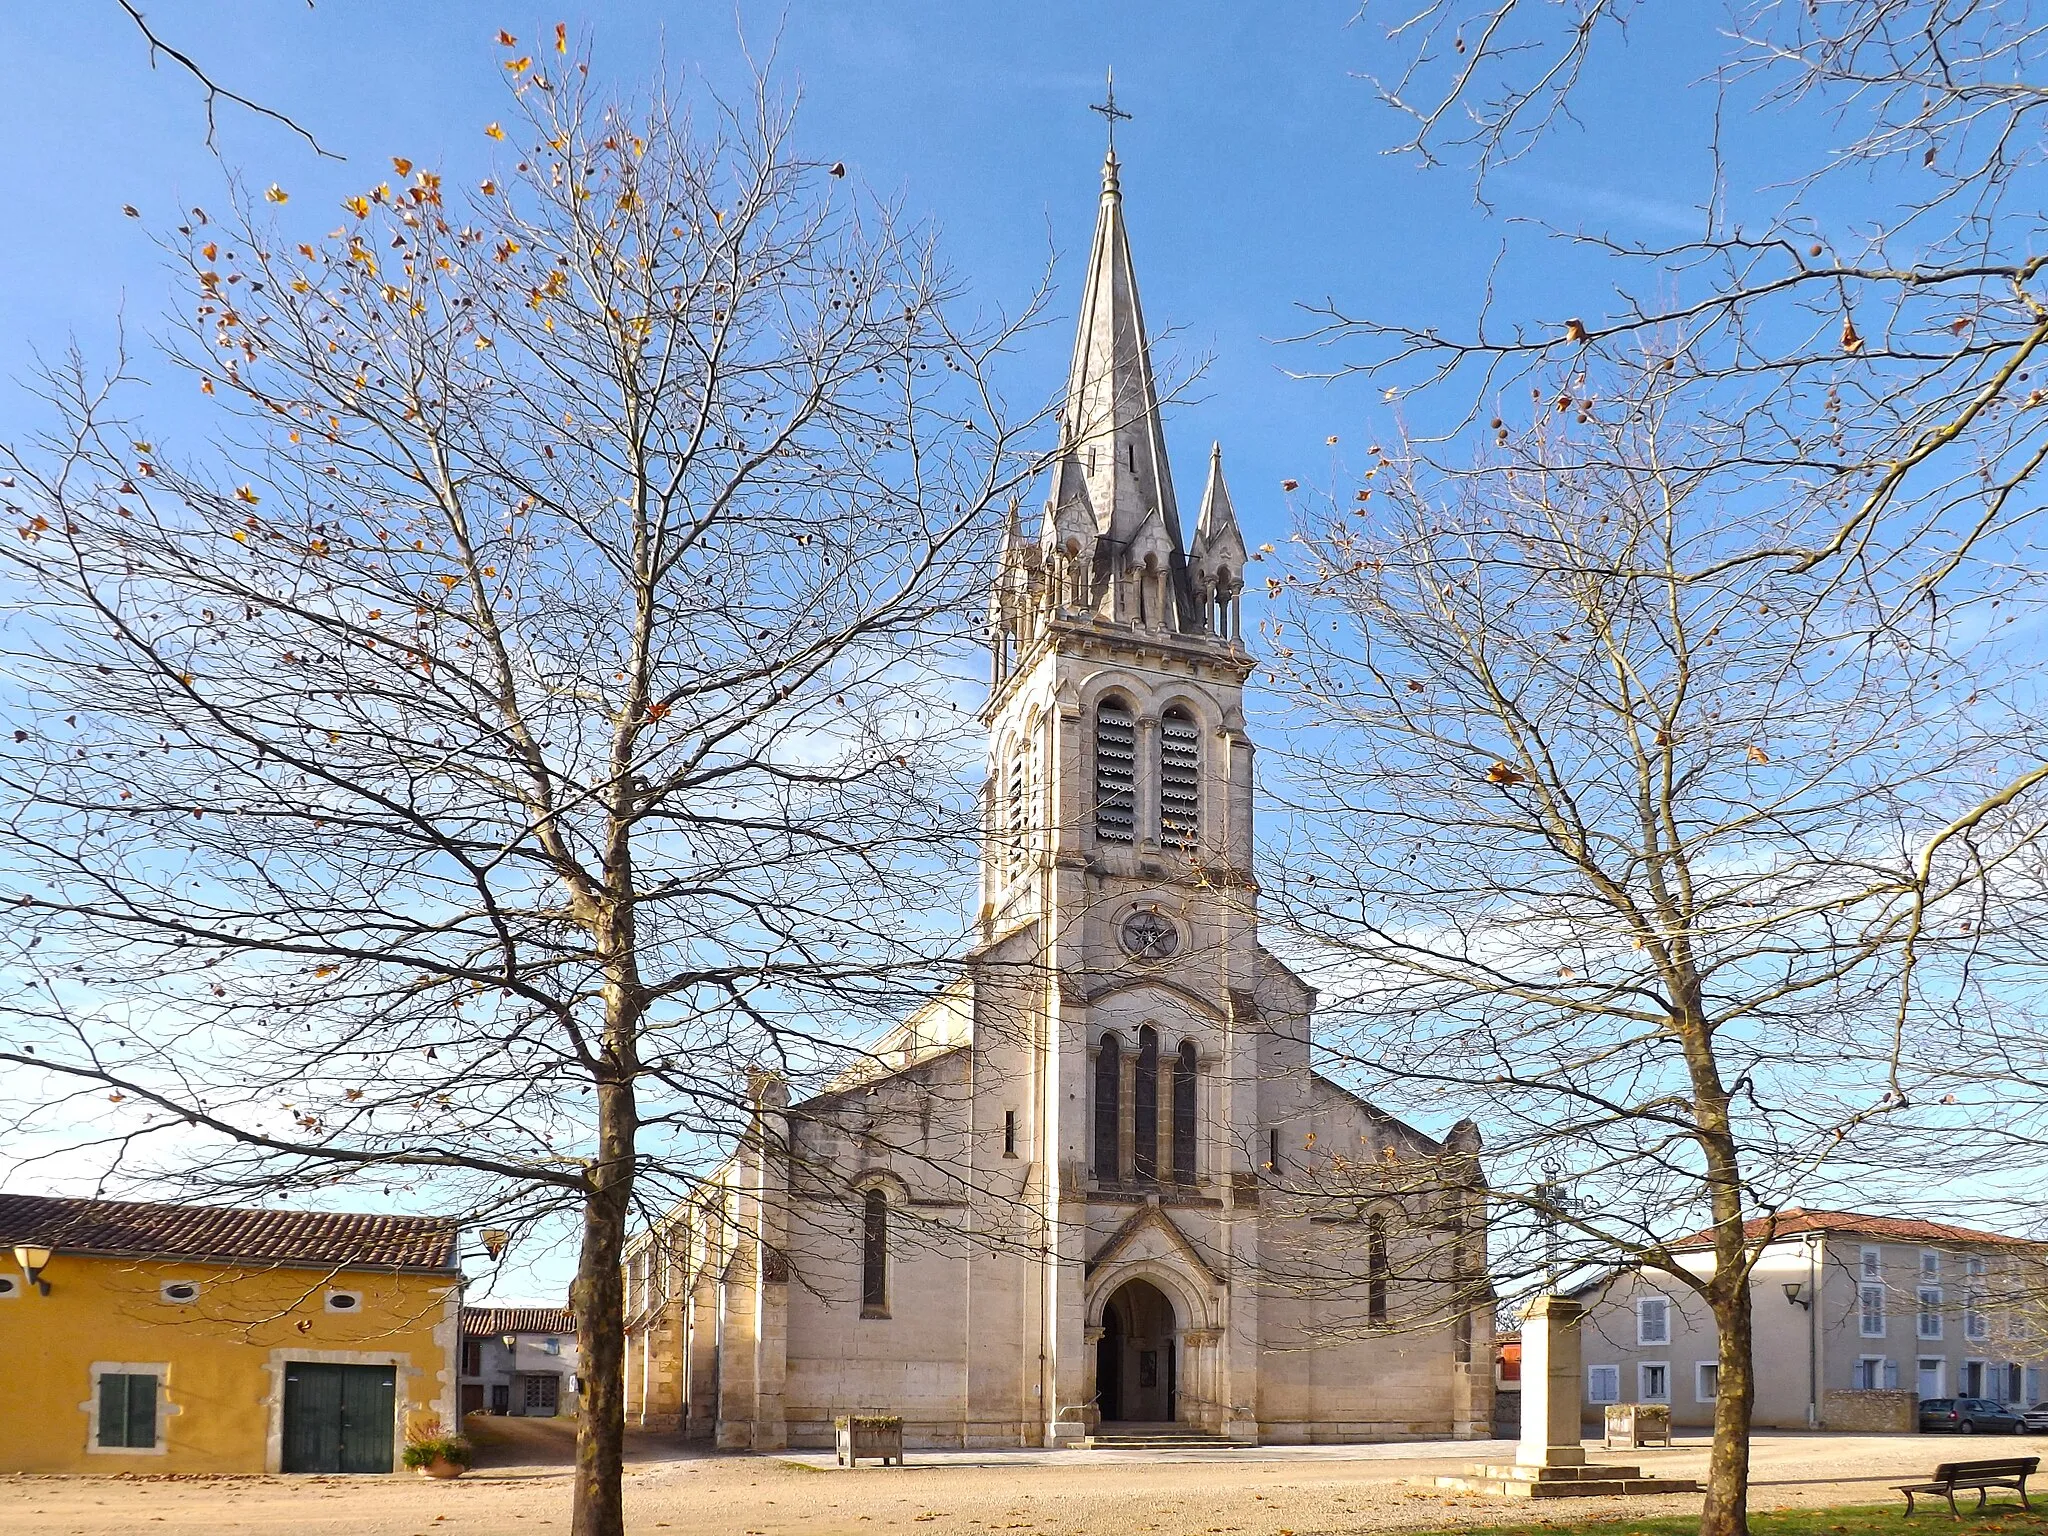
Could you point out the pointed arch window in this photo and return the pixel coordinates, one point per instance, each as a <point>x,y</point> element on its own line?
<point>1145,1107</point>
<point>1184,1079</point>
<point>874,1255</point>
<point>1108,1109</point>
<point>1180,763</point>
<point>1116,762</point>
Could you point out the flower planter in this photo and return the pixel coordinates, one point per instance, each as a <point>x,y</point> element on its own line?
<point>442,1469</point>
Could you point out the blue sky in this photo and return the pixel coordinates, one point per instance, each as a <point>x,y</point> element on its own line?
<point>1255,177</point>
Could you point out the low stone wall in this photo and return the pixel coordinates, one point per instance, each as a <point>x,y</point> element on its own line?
<point>1871,1412</point>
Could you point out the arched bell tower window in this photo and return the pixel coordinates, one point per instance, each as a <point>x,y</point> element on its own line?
<point>1108,1109</point>
<point>1184,1064</point>
<point>1145,1107</point>
<point>1116,763</point>
<point>1180,762</point>
<point>874,1255</point>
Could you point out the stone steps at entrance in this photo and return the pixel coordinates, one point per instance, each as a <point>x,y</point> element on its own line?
<point>1154,1437</point>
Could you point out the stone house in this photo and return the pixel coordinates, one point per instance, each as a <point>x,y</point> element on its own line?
<point>1100,1181</point>
<point>1857,1317</point>
<point>520,1361</point>
<point>154,1338</point>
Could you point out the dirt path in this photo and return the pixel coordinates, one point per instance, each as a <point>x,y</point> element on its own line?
<point>1269,1492</point>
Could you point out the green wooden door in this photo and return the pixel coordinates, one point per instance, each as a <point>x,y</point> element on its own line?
<point>338,1418</point>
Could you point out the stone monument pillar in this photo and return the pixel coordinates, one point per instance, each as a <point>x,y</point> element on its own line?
<point>1550,1384</point>
<point>1550,1463</point>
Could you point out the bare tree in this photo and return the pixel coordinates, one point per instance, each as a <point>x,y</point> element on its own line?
<point>1689,870</point>
<point>525,712</point>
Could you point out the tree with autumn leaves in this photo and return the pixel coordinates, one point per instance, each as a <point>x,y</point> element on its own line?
<point>514,719</point>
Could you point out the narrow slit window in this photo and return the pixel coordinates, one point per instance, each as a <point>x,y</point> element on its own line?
<point>1145,1107</point>
<point>1184,1089</point>
<point>1116,751</point>
<point>1273,1151</point>
<point>1009,1133</point>
<point>1376,1269</point>
<point>1179,778</point>
<point>1108,1109</point>
<point>874,1255</point>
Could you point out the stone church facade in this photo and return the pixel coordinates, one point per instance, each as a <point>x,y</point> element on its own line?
<point>1099,1181</point>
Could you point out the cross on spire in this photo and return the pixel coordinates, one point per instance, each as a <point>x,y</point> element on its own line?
<point>1110,111</point>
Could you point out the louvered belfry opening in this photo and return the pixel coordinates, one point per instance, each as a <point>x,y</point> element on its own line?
<point>1179,778</point>
<point>1019,828</point>
<point>1116,766</point>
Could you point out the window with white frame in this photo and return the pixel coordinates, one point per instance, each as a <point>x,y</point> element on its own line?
<point>1871,1262</point>
<point>9,1287</point>
<point>1870,1309</point>
<point>1976,1324</point>
<point>1653,1381</point>
<point>1874,1373</point>
<point>1706,1380</point>
<point>1930,1265</point>
<point>1603,1384</point>
<point>344,1301</point>
<point>1930,1311</point>
<point>1653,1320</point>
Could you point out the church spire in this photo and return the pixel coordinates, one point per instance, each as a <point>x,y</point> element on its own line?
<point>1112,497</point>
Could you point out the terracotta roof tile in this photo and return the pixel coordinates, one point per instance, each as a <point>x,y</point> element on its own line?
<point>1908,1229</point>
<point>162,1231</point>
<point>489,1322</point>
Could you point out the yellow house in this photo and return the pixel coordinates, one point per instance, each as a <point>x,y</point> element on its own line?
<point>169,1338</point>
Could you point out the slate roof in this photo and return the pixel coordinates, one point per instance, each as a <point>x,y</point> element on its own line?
<point>146,1230</point>
<point>490,1322</point>
<point>1904,1229</point>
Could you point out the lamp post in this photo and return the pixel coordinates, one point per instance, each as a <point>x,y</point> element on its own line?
<point>33,1258</point>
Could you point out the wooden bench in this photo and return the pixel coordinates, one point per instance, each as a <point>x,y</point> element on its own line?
<point>2007,1472</point>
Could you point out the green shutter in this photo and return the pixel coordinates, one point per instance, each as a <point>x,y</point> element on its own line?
<point>113,1410</point>
<point>141,1411</point>
<point>128,1411</point>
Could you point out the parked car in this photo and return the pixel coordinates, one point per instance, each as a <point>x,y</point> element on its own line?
<point>1969,1416</point>
<point>2036,1419</point>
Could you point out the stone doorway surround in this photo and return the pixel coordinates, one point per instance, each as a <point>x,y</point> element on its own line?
<point>1149,1248</point>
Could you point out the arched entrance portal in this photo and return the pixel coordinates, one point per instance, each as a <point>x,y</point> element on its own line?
<point>1137,1363</point>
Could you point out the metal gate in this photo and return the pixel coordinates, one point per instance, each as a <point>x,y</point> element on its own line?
<point>338,1418</point>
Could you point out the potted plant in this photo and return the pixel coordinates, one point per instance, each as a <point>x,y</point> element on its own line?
<point>439,1455</point>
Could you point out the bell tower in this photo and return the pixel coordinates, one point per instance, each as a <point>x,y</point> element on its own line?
<point>1118,848</point>
<point>1143,781</point>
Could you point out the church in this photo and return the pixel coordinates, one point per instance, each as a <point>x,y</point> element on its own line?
<point>1098,1186</point>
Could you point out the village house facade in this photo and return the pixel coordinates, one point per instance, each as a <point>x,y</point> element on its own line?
<point>149,1338</point>
<point>520,1362</point>
<point>1857,1318</point>
<point>1098,1183</point>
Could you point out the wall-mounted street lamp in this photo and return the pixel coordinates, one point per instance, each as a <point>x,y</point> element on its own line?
<point>33,1259</point>
<point>1795,1293</point>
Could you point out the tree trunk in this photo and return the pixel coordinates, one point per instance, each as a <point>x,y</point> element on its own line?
<point>1726,1511</point>
<point>598,1296</point>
